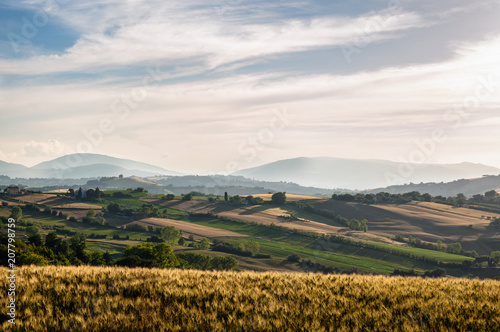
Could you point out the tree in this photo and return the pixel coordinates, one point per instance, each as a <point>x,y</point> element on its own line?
<point>187,197</point>
<point>294,258</point>
<point>253,246</point>
<point>71,192</point>
<point>170,233</point>
<point>97,193</point>
<point>96,258</point>
<point>181,241</point>
<point>30,258</point>
<point>16,213</point>
<point>194,260</point>
<point>120,176</point>
<point>235,199</point>
<point>168,197</point>
<point>354,224</point>
<point>164,256</point>
<point>250,199</point>
<point>51,240</point>
<point>79,194</point>
<point>78,243</point>
<point>33,230</point>
<point>461,199</point>
<point>427,197</point>
<point>454,248</point>
<point>149,255</point>
<point>90,217</point>
<point>279,198</point>
<point>107,257</point>
<point>223,263</point>
<point>204,244</point>
<point>113,208</point>
<point>495,256</point>
<point>90,194</point>
<point>226,197</point>
<point>491,194</point>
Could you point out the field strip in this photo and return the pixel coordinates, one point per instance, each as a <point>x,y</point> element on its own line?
<point>190,228</point>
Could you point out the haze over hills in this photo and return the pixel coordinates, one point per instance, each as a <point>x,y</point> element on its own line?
<point>468,187</point>
<point>299,175</point>
<point>83,165</point>
<point>354,174</point>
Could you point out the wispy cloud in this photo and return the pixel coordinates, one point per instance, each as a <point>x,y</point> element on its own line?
<point>221,81</point>
<point>119,37</point>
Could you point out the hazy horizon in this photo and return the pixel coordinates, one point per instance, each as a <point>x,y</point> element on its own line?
<point>204,89</point>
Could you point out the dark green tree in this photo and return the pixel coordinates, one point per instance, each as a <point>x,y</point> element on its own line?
<point>16,213</point>
<point>97,193</point>
<point>279,198</point>
<point>223,263</point>
<point>79,194</point>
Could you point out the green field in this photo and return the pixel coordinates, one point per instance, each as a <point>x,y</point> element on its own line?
<point>279,242</point>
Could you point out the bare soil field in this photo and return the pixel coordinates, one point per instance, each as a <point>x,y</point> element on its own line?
<point>55,202</point>
<point>289,197</point>
<point>49,199</point>
<point>189,228</point>
<point>425,220</point>
<point>260,214</point>
<point>77,205</point>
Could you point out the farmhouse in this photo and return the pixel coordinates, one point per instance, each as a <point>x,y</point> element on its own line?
<point>12,190</point>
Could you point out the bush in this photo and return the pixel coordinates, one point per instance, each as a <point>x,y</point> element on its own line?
<point>294,258</point>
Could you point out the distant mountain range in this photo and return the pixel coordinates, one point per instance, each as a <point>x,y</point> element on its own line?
<point>311,175</point>
<point>83,165</point>
<point>361,174</point>
<point>468,187</point>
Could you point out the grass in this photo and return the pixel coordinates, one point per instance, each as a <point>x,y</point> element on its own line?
<point>87,229</point>
<point>122,299</point>
<point>438,255</point>
<point>280,244</point>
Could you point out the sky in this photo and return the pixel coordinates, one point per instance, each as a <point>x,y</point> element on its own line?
<point>214,88</point>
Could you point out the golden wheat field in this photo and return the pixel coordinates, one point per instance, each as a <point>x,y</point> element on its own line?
<point>121,299</point>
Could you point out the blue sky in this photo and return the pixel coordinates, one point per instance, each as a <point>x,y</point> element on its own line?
<point>214,88</point>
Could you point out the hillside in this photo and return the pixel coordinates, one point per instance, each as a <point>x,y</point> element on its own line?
<point>468,187</point>
<point>427,221</point>
<point>359,174</point>
<point>322,243</point>
<point>83,165</point>
<point>124,299</point>
<point>424,220</point>
<point>13,170</point>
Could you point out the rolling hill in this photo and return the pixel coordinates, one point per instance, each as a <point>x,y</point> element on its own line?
<point>13,170</point>
<point>83,165</point>
<point>468,187</point>
<point>360,174</point>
